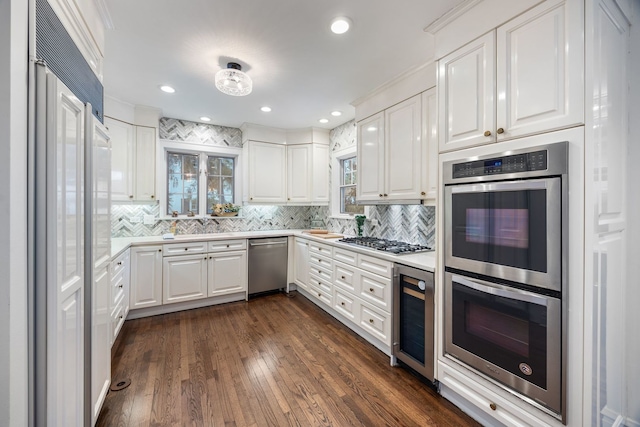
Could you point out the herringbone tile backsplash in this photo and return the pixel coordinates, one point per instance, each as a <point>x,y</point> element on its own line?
<point>410,223</point>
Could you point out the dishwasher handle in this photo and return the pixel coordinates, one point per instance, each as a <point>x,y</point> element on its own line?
<point>275,243</point>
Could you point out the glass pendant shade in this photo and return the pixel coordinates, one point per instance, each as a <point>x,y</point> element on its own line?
<point>233,81</point>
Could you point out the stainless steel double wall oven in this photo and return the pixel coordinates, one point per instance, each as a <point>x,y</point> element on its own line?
<point>505,268</point>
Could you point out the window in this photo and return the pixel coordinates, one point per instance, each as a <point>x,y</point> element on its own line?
<point>348,169</point>
<point>198,177</point>
<point>182,183</point>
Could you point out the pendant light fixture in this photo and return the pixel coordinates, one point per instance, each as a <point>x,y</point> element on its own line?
<point>233,81</point>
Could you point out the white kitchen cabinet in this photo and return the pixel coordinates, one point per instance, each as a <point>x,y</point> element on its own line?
<point>299,173</point>
<point>133,171</point>
<point>146,276</point>
<point>521,79</point>
<point>320,179</point>
<point>301,262</point>
<point>100,340</point>
<point>430,132</point>
<point>184,278</point>
<point>267,172</point>
<point>119,294</point>
<point>392,153</point>
<point>227,273</point>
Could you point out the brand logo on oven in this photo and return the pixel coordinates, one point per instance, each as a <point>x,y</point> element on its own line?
<point>526,369</point>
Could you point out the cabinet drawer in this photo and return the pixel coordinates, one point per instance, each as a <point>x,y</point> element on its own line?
<point>345,256</point>
<point>375,322</point>
<point>320,249</point>
<point>317,260</point>
<point>375,290</point>
<point>117,320</point>
<point>117,287</point>
<point>119,264</point>
<point>322,271</point>
<point>317,294</point>
<point>345,276</point>
<point>320,284</point>
<point>375,265</point>
<point>227,245</point>
<point>184,248</point>
<point>345,304</point>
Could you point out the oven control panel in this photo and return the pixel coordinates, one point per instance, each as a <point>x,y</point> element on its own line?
<point>525,162</point>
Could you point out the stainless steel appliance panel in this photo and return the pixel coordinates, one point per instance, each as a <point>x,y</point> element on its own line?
<point>267,264</point>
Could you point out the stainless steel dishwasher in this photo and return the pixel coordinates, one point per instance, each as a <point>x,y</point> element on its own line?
<point>267,264</point>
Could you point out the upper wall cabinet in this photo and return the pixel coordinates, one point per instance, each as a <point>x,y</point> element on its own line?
<point>523,78</point>
<point>286,167</point>
<point>133,171</point>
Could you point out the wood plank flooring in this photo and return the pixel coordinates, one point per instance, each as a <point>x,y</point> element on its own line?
<point>274,361</point>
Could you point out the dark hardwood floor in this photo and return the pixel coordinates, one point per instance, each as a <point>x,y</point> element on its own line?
<point>274,361</point>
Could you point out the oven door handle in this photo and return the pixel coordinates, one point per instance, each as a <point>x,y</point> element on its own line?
<point>514,295</point>
<point>530,184</point>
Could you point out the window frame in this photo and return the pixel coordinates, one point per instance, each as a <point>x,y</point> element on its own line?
<point>336,182</point>
<point>203,151</point>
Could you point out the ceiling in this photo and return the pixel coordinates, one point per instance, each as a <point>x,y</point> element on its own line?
<point>299,67</point>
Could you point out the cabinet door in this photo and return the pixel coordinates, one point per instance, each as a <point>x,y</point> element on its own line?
<point>539,72</point>
<point>371,159</point>
<point>320,185</point>
<point>403,150</point>
<point>100,341</point>
<point>299,173</point>
<point>184,278</point>
<point>146,277</point>
<point>301,263</point>
<point>430,134</point>
<point>145,164</point>
<point>122,151</point>
<point>267,172</point>
<point>466,88</point>
<point>227,273</point>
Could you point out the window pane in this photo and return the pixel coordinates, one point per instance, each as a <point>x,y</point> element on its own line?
<point>220,181</point>
<point>226,168</point>
<point>213,165</point>
<point>182,183</point>
<point>347,179</point>
<point>348,201</point>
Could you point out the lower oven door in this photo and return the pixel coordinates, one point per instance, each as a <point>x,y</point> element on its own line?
<point>511,335</point>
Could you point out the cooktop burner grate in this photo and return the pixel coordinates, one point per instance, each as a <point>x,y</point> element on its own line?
<point>391,246</point>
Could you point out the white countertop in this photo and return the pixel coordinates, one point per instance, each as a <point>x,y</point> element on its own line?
<point>420,260</point>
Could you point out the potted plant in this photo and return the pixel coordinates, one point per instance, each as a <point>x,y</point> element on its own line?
<point>360,223</point>
<point>225,209</point>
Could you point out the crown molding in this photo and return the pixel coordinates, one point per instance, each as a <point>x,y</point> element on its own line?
<point>450,16</point>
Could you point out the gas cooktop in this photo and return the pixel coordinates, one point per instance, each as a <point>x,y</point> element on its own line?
<point>391,246</point>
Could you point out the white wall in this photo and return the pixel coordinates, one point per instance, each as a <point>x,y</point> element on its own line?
<point>13,206</point>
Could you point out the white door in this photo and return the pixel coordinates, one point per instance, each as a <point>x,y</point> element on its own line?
<point>122,143</point>
<point>184,278</point>
<point>267,172</point>
<point>403,150</point>
<point>146,277</point>
<point>65,247</point>
<point>466,90</point>
<point>301,262</point>
<point>299,173</point>
<point>539,72</point>
<point>145,164</point>
<point>227,273</point>
<point>371,159</point>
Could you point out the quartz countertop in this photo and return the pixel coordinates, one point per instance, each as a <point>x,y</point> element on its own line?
<point>420,260</point>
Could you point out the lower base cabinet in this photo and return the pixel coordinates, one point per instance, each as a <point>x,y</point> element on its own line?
<point>226,273</point>
<point>100,340</point>
<point>184,278</point>
<point>146,276</point>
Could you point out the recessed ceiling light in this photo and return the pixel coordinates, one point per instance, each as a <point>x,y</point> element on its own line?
<point>205,119</point>
<point>266,109</point>
<point>324,121</point>
<point>336,113</point>
<point>340,25</point>
<point>167,89</point>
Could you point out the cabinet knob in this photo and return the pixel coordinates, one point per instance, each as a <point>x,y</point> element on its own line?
<point>342,303</point>
<point>487,133</point>
<point>288,198</point>
<point>250,198</point>
<point>119,262</point>
<point>500,130</point>
<point>385,195</point>
<point>120,317</point>
<point>319,294</point>
<point>152,196</point>
<point>131,196</point>
<point>493,406</point>
<point>371,290</point>
<point>120,286</point>
<point>319,271</point>
<point>380,195</point>
<point>159,250</point>
<point>422,193</point>
<point>370,320</point>
<point>186,249</point>
<point>227,245</point>
<point>342,277</point>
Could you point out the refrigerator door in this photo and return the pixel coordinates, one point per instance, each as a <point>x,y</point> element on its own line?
<point>60,269</point>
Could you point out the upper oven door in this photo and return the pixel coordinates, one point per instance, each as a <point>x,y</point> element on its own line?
<point>510,230</point>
